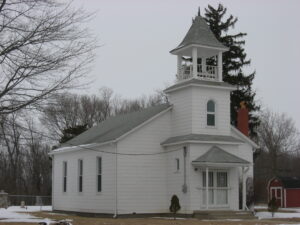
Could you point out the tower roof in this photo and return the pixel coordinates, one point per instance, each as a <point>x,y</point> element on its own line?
<point>200,34</point>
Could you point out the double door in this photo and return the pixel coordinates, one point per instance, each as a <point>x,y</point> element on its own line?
<point>217,188</point>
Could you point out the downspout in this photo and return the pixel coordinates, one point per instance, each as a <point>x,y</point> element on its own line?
<point>116,182</point>
<point>184,186</point>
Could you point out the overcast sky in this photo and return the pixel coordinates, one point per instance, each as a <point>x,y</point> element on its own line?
<point>137,36</point>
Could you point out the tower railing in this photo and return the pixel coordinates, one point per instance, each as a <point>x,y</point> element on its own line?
<point>204,72</point>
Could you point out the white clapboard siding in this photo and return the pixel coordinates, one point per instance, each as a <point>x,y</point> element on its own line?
<point>221,98</point>
<point>89,200</point>
<point>181,118</point>
<point>142,179</point>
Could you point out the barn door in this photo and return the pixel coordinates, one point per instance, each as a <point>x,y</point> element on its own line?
<point>277,193</point>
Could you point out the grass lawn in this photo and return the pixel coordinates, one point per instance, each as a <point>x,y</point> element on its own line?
<point>79,220</point>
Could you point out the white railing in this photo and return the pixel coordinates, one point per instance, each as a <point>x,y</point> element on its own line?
<point>203,72</point>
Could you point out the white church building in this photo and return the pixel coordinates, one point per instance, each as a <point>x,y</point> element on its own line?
<point>134,163</point>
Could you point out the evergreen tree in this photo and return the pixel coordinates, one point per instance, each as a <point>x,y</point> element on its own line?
<point>234,61</point>
<point>72,132</point>
<point>273,206</point>
<point>175,206</point>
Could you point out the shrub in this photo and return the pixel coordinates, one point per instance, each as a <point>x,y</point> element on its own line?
<point>273,206</point>
<point>175,206</point>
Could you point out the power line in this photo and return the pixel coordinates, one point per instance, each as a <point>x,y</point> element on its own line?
<point>91,149</point>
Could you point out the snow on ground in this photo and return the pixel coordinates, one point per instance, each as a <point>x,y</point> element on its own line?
<point>268,215</point>
<point>18,214</point>
<point>29,208</point>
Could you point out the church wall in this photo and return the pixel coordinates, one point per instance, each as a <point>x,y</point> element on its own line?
<point>175,178</point>
<point>89,200</point>
<point>181,115</point>
<point>142,186</point>
<point>201,95</point>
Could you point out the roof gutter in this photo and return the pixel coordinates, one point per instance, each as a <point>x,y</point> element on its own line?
<point>72,148</point>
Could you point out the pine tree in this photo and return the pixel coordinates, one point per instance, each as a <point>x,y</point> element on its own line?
<point>175,206</point>
<point>234,61</point>
<point>273,206</point>
<point>72,132</point>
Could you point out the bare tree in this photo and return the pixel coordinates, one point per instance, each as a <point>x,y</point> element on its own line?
<point>72,110</point>
<point>44,48</point>
<point>11,152</point>
<point>36,161</point>
<point>279,142</point>
<point>24,161</point>
<point>278,136</point>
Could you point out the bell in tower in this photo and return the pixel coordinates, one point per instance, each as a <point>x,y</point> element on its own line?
<point>199,55</point>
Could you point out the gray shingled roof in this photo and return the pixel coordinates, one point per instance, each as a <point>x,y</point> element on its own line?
<point>218,155</point>
<point>200,33</point>
<point>201,137</point>
<point>116,126</point>
<point>200,82</point>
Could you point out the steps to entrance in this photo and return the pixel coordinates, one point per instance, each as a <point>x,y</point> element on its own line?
<point>221,215</point>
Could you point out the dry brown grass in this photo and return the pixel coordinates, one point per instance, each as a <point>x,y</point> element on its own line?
<point>79,220</point>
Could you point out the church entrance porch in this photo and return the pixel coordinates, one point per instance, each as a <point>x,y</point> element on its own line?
<point>217,174</point>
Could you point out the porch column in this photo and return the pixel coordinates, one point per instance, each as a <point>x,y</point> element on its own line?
<point>220,65</point>
<point>203,62</point>
<point>206,188</point>
<point>179,65</point>
<point>195,59</point>
<point>244,189</point>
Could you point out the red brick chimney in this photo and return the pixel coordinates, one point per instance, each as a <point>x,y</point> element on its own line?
<point>243,119</point>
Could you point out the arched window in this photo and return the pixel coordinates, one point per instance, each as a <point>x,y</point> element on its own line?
<point>211,110</point>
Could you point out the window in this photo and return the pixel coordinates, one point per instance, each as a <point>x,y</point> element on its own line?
<point>210,179</point>
<point>221,179</point>
<point>65,176</point>
<point>177,164</point>
<point>99,174</point>
<point>211,113</point>
<point>217,188</point>
<point>80,174</point>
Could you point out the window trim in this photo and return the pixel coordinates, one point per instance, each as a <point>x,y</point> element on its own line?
<point>211,113</point>
<point>65,176</point>
<point>99,175</point>
<point>80,175</point>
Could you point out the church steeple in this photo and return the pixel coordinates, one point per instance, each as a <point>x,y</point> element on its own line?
<point>199,53</point>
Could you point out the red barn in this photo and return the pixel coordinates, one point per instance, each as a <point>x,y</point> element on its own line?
<point>286,190</point>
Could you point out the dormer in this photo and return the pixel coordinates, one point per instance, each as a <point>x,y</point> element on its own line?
<point>199,55</point>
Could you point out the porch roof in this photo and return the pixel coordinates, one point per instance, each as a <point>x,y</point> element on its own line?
<point>216,155</point>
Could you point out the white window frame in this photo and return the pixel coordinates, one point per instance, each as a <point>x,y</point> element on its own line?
<point>215,188</point>
<point>211,113</point>
<point>281,192</point>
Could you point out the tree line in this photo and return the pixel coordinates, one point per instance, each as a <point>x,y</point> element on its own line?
<point>26,140</point>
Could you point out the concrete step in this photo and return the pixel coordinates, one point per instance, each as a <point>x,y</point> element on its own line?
<point>221,214</point>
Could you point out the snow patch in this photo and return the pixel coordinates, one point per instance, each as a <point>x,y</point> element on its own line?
<point>268,215</point>
<point>18,214</point>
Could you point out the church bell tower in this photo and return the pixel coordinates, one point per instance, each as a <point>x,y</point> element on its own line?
<point>199,55</point>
